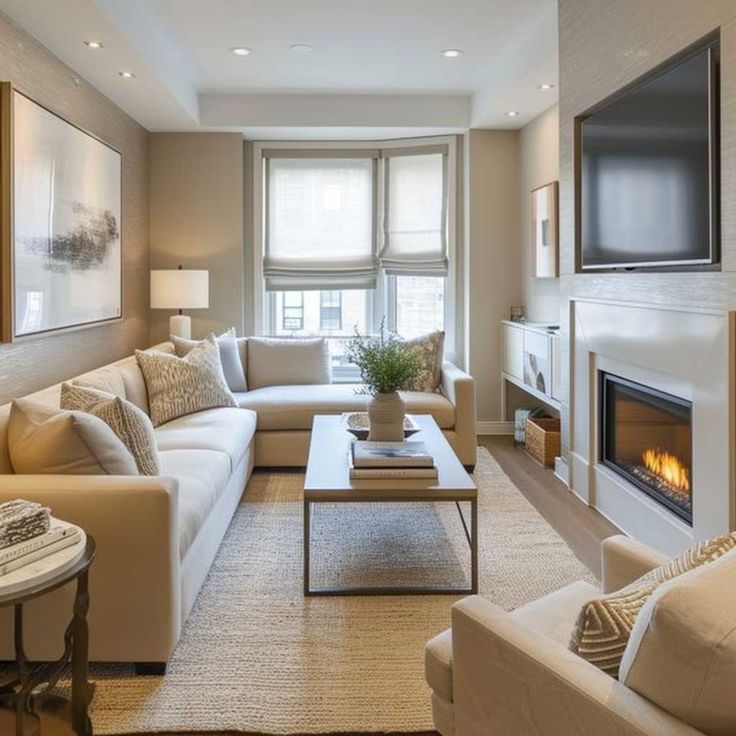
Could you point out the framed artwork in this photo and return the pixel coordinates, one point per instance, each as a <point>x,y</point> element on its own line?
<point>545,232</point>
<point>65,222</point>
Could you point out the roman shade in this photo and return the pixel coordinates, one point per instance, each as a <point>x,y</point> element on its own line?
<point>319,221</point>
<point>415,207</point>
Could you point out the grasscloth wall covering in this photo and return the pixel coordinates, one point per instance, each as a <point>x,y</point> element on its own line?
<point>34,363</point>
<point>605,45</point>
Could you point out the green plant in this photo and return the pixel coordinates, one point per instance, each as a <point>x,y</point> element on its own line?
<point>385,363</point>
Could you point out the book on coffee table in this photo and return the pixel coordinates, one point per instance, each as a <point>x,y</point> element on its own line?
<point>391,455</point>
<point>388,473</point>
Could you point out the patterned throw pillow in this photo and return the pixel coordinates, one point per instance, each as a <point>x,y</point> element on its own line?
<point>180,386</point>
<point>430,349</point>
<point>129,423</point>
<point>232,366</point>
<point>604,625</point>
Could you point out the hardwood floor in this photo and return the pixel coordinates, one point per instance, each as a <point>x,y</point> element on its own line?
<point>580,526</point>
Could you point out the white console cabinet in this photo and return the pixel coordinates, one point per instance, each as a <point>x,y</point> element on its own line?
<point>531,360</point>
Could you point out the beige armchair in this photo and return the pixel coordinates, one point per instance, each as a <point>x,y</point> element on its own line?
<point>511,674</point>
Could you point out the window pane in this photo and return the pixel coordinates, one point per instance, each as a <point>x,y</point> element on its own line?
<point>420,305</point>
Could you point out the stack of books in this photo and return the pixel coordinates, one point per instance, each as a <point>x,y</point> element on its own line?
<point>382,460</point>
<point>60,535</point>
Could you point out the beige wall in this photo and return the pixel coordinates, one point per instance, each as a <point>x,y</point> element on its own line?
<point>197,221</point>
<point>492,262</point>
<point>603,46</point>
<point>539,147</point>
<point>33,363</point>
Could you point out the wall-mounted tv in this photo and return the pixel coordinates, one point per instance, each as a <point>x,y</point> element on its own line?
<point>648,179</point>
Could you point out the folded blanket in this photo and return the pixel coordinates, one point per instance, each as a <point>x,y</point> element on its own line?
<point>21,520</point>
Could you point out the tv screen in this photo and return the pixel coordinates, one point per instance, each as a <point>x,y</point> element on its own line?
<point>648,173</point>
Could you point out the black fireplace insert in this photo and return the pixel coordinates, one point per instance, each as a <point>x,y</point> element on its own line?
<point>646,437</point>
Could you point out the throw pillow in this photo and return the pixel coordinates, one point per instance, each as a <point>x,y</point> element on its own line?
<point>604,625</point>
<point>232,366</point>
<point>131,425</point>
<point>45,440</point>
<point>180,386</point>
<point>430,350</point>
<point>288,362</point>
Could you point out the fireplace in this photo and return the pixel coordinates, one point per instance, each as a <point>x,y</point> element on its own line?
<point>646,437</point>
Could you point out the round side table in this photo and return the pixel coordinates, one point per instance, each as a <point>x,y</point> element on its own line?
<point>25,697</point>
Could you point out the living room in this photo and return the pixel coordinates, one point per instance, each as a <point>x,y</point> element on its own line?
<point>241,243</point>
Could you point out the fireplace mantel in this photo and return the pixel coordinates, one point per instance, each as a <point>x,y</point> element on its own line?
<point>686,353</point>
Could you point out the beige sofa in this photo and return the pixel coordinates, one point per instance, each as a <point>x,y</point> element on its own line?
<point>157,536</point>
<point>495,673</point>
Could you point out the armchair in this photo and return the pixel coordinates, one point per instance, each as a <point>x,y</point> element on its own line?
<point>497,673</point>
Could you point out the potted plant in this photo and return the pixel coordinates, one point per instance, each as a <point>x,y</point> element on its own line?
<point>386,367</point>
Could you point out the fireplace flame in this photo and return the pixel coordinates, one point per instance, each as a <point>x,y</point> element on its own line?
<point>667,467</point>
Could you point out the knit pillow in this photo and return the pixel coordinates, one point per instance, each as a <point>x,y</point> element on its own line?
<point>132,426</point>
<point>430,351</point>
<point>232,366</point>
<point>180,386</point>
<point>604,625</point>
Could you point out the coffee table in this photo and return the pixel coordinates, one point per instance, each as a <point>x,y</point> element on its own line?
<point>328,481</point>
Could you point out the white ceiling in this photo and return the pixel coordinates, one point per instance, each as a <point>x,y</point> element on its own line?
<point>376,68</point>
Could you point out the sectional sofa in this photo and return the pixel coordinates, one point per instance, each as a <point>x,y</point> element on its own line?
<point>157,536</point>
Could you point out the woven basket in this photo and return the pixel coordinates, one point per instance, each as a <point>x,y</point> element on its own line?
<point>543,439</point>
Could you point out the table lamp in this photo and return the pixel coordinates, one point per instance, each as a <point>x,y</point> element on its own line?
<point>179,289</point>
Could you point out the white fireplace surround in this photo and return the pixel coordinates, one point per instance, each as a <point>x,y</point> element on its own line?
<point>685,352</point>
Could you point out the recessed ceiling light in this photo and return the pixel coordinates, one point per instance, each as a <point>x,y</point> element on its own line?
<point>301,47</point>
<point>452,53</point>
<point>545,85</point>
<point>512,113</point>
<point>94,44</point>
<point>127,75</point>
<point>240,51</point>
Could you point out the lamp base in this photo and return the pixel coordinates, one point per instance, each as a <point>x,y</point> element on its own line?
<point>180,326</point>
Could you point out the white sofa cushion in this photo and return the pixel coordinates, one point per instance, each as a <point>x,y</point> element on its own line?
<point>438,664</point>
<point>554,614</point>
<point>294,407</point>
<point>682,650</point>
<point>45,440</point>
<point>287,362</point>
<point>228,430</point>
<point>202,476</point>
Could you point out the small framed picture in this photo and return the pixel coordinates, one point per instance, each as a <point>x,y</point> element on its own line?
<point>545,232</point>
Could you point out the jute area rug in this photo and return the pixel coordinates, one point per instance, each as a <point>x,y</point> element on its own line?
<point>258,657</point>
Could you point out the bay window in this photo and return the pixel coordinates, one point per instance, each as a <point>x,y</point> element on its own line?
<point>354,235</point>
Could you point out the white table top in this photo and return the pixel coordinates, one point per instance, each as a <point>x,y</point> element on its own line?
<point>328,474</point>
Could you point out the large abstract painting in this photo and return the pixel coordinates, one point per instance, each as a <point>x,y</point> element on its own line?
<point>67,257</point>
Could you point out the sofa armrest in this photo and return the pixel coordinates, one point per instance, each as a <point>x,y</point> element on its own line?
<point>510,679</point>
<point>623,560</point>
<point>459,388</point>
<point>135,579</point>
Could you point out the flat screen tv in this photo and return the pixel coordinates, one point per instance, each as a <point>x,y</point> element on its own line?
<point>649,171</point>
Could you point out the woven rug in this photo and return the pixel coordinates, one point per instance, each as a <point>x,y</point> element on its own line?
<point>258,657</point>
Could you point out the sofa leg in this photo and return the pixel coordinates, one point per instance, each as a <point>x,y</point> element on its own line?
<point>150,669</point>
<point>469,468</point>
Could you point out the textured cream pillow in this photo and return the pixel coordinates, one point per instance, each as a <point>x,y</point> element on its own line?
<point>430,350</point>
<point>180,386</point>
<point>44,440</point>
<point>288,362</point>
<point>604,625</point>
<point>232,366</point>
<point>131,425</point>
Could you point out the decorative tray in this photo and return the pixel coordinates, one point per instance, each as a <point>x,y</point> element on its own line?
<point>356,422</point>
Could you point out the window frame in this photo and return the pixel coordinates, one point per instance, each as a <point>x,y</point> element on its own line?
<point>381,301</point>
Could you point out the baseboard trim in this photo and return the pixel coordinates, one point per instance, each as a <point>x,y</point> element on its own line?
<point>486,428</point>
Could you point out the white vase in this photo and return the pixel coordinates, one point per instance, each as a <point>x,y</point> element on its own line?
<point>386,418</point>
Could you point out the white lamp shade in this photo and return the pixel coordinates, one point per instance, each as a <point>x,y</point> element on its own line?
<point>179,289</point>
